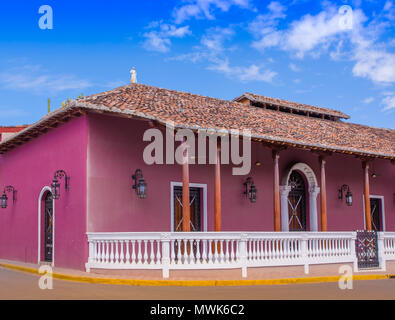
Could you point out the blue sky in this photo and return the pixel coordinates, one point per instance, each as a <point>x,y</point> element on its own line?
<point>304,51</point>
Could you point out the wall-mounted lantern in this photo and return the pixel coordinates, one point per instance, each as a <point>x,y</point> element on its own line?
<point>344,188</point>
<point>250,189</point>
<point>139,184</point>
<point>55,185</point>
<point>4,198</point>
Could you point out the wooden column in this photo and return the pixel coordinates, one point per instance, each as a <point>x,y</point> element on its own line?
<point>276,191</point>
<point>366,194</point>
<point>186,211</point>
<point>324,224</point>
<point>217,190</point>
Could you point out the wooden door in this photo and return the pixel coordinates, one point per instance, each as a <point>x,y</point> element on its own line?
<point>48,227</point>
<point>376,212</point>
<point>194,201</point>
<point>297,202</point>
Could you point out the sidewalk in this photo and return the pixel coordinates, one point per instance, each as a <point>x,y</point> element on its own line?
<point>256,276</point>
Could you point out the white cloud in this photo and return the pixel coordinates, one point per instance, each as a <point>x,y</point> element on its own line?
<point>213,50</point>
<point>323,32</point>
<point>377,65</point>
<point>214,39</point>
<point>155,42</point>
<point>389,102</point>
<point>277,9</point>
<point>254,73</point>
<point>312,31</point>
<point>368,100</point>
<point>200,9</point>
<point>294,67</point>
<point>264,26</point>
<point>159,40</point>
<point>270,40</point>
<point>173,31</point>
<point>389,10</point>
<point>37,80</point>
<point>387,6</point>
<point>250,73</point>
<point>303,35</point>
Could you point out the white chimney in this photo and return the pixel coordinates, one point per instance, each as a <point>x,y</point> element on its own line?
<point>133,76</point>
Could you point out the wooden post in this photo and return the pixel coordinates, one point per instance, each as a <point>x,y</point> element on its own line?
<point>276,191</point>
<point>324,224</point>
<point>366,194</point>
<point>217,190</point>
<point>186,212</point>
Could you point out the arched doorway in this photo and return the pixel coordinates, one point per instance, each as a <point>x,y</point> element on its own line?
<point>298,193</point>
<point>297,203</point>
<point>48,227</point>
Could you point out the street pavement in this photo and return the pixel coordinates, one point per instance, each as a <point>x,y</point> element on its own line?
<point>17,285</point>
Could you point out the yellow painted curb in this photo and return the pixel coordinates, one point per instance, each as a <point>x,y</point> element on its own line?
<point>196,283</point>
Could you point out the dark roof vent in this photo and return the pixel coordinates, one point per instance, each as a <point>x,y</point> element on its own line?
<point>290,107</point>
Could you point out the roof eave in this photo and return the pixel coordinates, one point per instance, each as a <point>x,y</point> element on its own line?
<point>76,106</point>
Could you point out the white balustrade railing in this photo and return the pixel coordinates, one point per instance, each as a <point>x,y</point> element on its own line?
<point>388,239</point>
<point>224,250</point>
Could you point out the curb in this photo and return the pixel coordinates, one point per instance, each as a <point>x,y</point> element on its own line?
<point>196,283</point>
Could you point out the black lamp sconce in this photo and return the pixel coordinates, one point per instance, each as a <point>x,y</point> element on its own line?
<point>55,185</point>
<point>4,198</point>
<point>250,189</point>
<point>343,189</point>
<point>140,186</point>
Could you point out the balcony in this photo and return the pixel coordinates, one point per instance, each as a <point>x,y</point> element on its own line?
<point>227,250</point>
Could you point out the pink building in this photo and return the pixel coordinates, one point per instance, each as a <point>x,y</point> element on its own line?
<point>70,199</point>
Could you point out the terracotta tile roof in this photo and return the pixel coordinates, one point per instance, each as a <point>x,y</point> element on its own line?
<point>292,105</point>
<point>196,111</point>
<point>200,112</point>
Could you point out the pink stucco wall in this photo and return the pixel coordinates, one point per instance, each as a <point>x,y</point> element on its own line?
<point>29,168</point>
<point>116,150</point>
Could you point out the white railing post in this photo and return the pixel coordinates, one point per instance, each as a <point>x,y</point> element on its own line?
<point>390,246</point>
<point>90,257</point>
<point>243,254</point>
<point>354,251</point>
<point>305,253</point>
<point>381,253</point>
<point>165,241</point>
